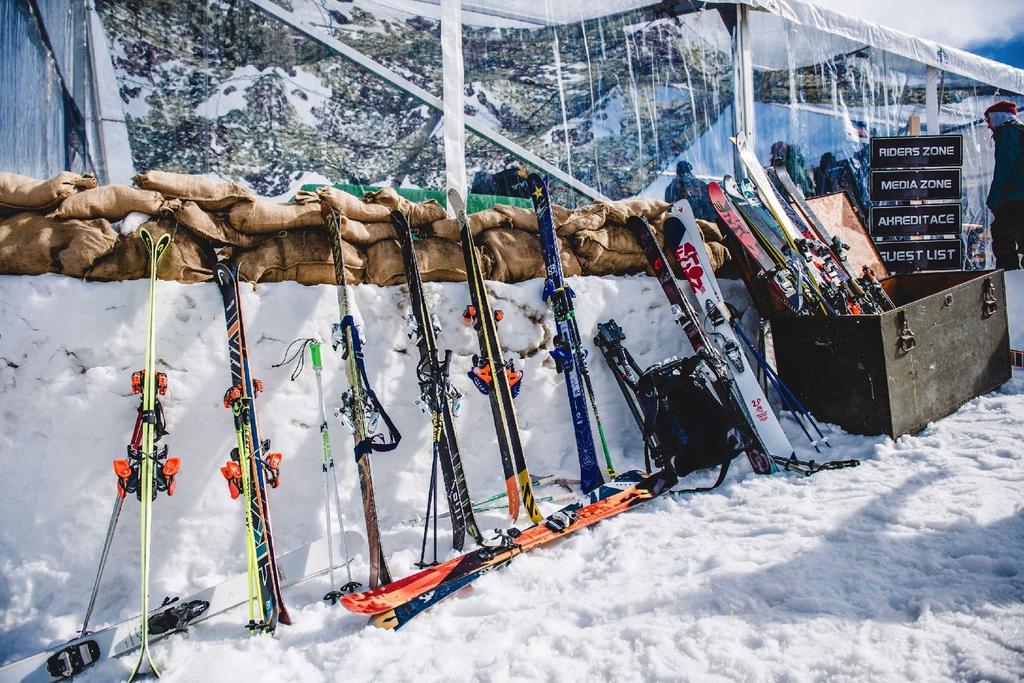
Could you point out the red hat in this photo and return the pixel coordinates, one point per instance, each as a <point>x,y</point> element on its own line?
<point>1004,106</point>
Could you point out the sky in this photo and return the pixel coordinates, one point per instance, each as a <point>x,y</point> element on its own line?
<point>991,28</point>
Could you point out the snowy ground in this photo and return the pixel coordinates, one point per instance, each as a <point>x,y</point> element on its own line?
<point>906,568</point>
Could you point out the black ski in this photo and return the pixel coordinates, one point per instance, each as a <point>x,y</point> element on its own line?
<point>437,392</point>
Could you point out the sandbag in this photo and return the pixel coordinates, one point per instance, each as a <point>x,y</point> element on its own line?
<point>213,228</point>
<point>612,250</point>
<point>423,213</point>
<point>440,260</point>
<point>350,206</point>
<point>516,255</point>
<point>719,255</point>
<point>621,210</point>
<point>481,221</point>
<point>366,234</point>
<point>208,193</point>
<point>260,217</point>
<point>23,192</point>
<point>113,202</point>
<point>31,244</point>
<point>300,255</point>
<point>591,217</point>
<point>709,231</point>
<point>186,259</point>
<point>447,228</point>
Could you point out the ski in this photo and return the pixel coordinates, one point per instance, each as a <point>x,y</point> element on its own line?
<point>147,469</point>
<point>715,364</point>
<point>683,241</point>
<point>175,615</point>
<point>360,409</point>
<point>437,394</point>
<point>570,358</point>
<point>493,376</point>
<point>771,275</point>
<point>625,491</point>
<point>251,468</point>
<point>862,288</point>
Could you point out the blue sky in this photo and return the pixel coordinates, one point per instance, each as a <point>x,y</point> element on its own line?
<point>991,28</point>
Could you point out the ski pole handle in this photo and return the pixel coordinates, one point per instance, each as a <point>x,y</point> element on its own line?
<point>314,354</point>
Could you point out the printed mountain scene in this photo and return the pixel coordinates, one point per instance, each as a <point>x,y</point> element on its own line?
<point>221,88</point>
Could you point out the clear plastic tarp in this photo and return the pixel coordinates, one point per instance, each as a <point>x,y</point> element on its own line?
<point>619,95</point>
<point>42,130</point>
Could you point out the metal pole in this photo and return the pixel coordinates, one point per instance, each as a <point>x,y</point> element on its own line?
<point>422,95</point>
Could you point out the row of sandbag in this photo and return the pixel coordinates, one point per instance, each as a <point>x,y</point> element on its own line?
<point>284,241</point>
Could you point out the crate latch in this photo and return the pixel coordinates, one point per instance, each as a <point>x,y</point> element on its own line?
<point>905,342</point>
<point>988,298</point>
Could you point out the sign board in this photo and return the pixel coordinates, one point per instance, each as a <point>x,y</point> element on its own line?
<point>906,256</point>
<point>898,186</point>
<point>924,219</point>
<point>931,151</point>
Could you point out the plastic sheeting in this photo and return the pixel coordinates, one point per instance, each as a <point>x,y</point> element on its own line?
<point>617,93</point>
<point>42,131</point>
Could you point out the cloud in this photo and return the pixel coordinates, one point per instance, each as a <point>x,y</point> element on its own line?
<point>951,22</point>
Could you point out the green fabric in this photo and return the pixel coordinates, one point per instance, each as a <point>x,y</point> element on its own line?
<point>1008,176</point>
<point>474,202</point>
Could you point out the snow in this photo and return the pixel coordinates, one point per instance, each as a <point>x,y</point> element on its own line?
<point>905,568</point>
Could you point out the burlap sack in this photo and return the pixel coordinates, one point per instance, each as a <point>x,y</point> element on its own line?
<point>709,231</point>
<point>213,228</point>
<point>22,192</point>
<point>423,213</point>
<point>350,206</point>
<point>488,219</point>
<point>186,259</point>
<point>619,211</point>
<point>590,217</point>
<point>31,244</point>
<point>440,260</point>
<point>447,228</point>
<point>207,193</point>
<point>719,255</point>
<point>260,217</point>
<point>612,250</point>
<point>113,202</point>
<point>516,255</point>
<point>366,234</point>
<point>300,255</point>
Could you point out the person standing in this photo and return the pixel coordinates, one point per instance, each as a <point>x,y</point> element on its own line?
<point>687,186</point>
<point>1006,195</point>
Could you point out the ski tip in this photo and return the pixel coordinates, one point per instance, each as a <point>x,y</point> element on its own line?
<point>456,202</point>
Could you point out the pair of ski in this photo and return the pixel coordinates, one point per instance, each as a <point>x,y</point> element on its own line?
<point>145,471</point>
<point>393,606</point>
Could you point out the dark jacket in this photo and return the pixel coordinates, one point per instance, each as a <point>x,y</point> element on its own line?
<point>1008,177</point>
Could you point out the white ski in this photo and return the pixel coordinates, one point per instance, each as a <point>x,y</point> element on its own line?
<point>295,567</point>
<point>706,296</point>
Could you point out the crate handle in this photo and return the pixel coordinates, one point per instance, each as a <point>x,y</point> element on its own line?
<point>988,299</point>
<point>905,343</point>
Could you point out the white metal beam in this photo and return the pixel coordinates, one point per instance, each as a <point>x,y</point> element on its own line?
<point>407,86</point>
<point>743,84</point>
